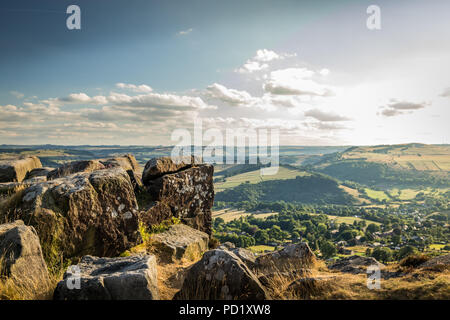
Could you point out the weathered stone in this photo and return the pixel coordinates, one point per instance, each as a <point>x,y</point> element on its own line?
<point>129,278</point>
<point>127,162</point>
<point>221,275</point>
<point>188,193</point>
<point>38,172</point>
<point>15,170</point>
<point>227,246</point>
<point>180,242</point>
<point>21,255</point>
<point>85,213</point>
<point>248,257</point>
<point>75,167</point>
<point>158,167</point>
<point>293,256</point>
<point>355,264</point>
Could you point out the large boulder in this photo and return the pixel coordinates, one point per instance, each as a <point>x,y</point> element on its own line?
<point>437,262</point>
<point>126,162</point>
<point>129,278</point>
<point>355,264</point>
<point>221,275</point>
<point>180,242</point>
<point>248,257</point>
<point>291,257</point>
<point>15,170</point>
<point>187,194</point>
<point>21,256</point>
<point>85,213</point>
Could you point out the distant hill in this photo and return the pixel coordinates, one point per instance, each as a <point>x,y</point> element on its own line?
<point>312,189</point>
<point>390,165</point>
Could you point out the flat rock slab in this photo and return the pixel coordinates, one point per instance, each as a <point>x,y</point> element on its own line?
<point>22,255</point>
<point>16,170</point>
<point>180,242</point>
<point>437,261</point>
<point>221,275</point>
<point>129,278</point>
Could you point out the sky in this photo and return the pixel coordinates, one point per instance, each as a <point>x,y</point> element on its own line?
<point>138,70</point>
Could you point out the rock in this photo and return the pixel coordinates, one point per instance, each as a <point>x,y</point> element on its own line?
<point>9,188</point>
<point>75,167</point>
<point>39,172</point>
<point>221,275</point>
<point>158,167</point>
<point>355,264</point>
<point>180,242</point>
<point>15,170</point>
<point>22,255</point>
<point>227,246</point>
<point>291,257</point>
<point>85,213</point>
<point>188,193</point>
<point>248,257</point>
<point>127,162</point>
<point>440,261</point>
<point>130,278</point>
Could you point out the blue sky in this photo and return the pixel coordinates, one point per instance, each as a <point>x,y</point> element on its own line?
<point>312,69</point>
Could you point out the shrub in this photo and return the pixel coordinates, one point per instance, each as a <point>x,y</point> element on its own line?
<point>414,260</point>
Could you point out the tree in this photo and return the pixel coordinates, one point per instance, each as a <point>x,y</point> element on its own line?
<point>372,227</point>
<point>382,254</point>
<point>328,249</point>
<point>406,251</point>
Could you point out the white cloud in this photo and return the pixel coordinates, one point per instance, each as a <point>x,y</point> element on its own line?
<point>185,32</point>
<point>135,88</point>
<point>295,81</point>
<point>259,61</point>
<point>325,116</point>
<point>446,93</point>
<point>395,108</point>
<point>17,94</point>
<point>231,96</point>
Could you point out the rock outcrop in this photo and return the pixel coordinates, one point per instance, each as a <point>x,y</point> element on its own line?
<point>126,162</point>
<point>248,257</point>
<point>355,264</point>
<point>129,278</point>
<point>16,170</point>
<point>38,172</point>
<point>180,242</point>
<point>187,193</point>
<point>291,257</point>
<point>84,213</point>
<point>221,275</point>
<point>21,255</point>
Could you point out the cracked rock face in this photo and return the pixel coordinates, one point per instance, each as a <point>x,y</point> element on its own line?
<point>22,254</point>
<point>187,194</point>
<point>221,275</point>
<point>84,213</point>
<point>17,169</point>
<point>129,278</point>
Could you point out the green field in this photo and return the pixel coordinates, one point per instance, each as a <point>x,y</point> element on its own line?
<point>255,177</point>
<point>261,248</point>
<point>230,214</point>
<point>376,195</point>
<point>350,220</point>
